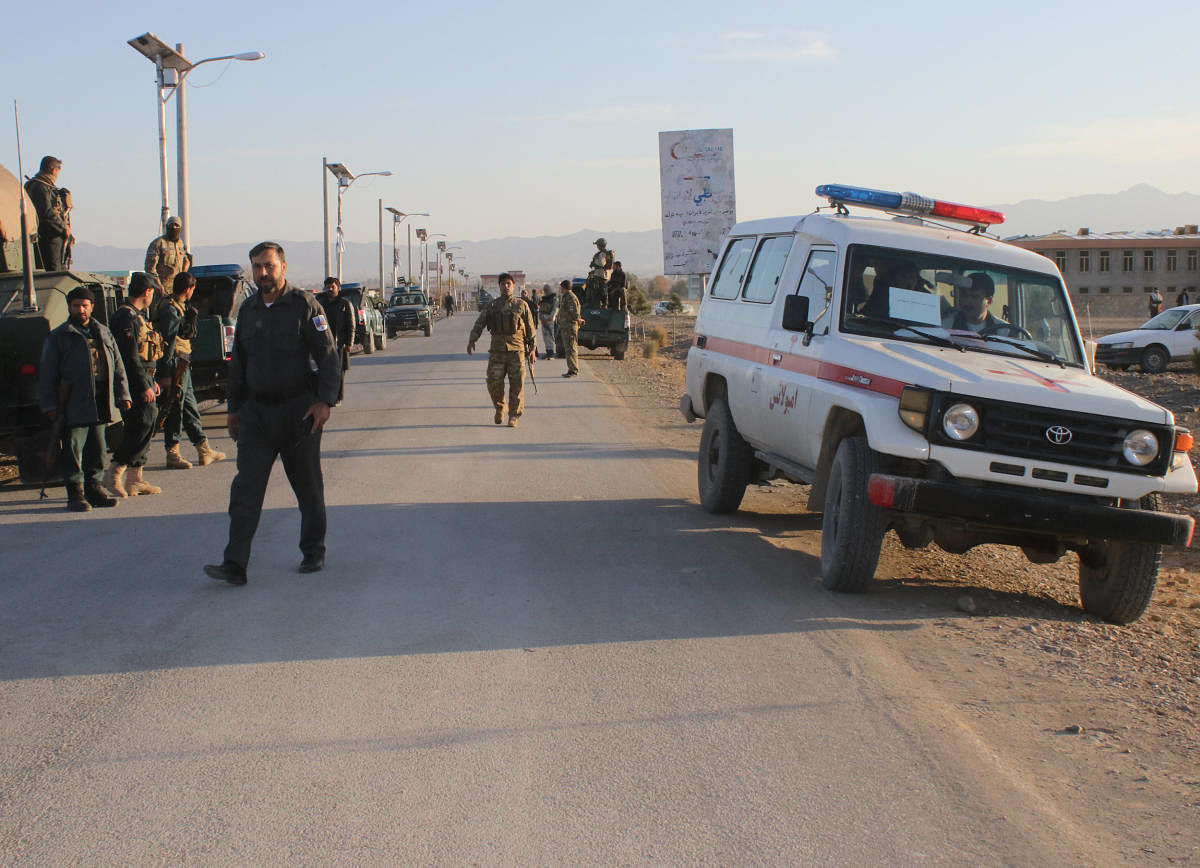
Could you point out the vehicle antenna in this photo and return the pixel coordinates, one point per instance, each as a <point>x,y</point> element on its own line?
<point>26,247</point>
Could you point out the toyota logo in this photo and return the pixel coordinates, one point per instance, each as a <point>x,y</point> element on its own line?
<point>1059,435</point>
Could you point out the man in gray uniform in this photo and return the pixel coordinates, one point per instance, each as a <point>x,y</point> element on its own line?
<point>277,408</point>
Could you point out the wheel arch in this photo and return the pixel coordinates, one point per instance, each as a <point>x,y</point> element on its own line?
<point>839,424</point>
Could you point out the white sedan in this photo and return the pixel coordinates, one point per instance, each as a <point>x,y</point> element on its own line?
<point>1168,337</point>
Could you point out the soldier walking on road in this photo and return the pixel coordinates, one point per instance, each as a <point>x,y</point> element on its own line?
<point>52,220</point>
<point>141,347</point>
<point>165,257</point>
<point>514,337</point>
<point>176,322</point>
<point>547,306</point>
<point>339,313</point>
<point>569,321</point>
<point>277,408</point>
<point>81,375</point>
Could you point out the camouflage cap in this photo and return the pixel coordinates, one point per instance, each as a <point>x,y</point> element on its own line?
<point>174,221</point>
<point>601,242</point>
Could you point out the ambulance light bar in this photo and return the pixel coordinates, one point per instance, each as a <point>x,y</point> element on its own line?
<point>908,203</point>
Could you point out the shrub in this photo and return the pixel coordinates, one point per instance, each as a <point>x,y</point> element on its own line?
<point>657,334</point>
<point>650,349</point>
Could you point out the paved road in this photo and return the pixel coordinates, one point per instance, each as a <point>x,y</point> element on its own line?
<point>529,647</point>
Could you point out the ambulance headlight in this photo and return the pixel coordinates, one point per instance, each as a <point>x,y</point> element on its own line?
<point>1140,447</point>
<point>960,422</point>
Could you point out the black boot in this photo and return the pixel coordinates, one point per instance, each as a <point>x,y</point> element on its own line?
<point>97,495</point>
<point>75,501</point>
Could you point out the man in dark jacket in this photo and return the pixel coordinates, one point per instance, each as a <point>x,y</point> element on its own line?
<point>140,346</point>
<point>52,224</point>
<point>176,322</point>
<point>339,313</point>
<point>277,408</point>
<point>82,375</point>
<point>616,288</point>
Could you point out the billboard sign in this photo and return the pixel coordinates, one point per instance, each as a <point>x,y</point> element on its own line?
<point>698,203</point>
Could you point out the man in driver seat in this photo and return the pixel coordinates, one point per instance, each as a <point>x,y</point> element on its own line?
<point>971,313</point>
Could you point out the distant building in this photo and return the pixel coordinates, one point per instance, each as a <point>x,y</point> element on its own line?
<point>1113,273</point>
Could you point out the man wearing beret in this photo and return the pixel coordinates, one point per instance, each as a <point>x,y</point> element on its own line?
<point>82,375</point>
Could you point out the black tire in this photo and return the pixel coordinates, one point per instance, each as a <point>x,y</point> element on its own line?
<point>723,465</point>
<point>381,341</point>
<point>428,329</point>
<point>368,344</point>
<point>1117,578</point>
<point>1155,359</point>
<point>391,334</point>
<point>618,351</point>
<point>852,527</point>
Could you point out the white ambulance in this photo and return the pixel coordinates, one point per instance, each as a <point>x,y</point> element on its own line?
<point>924,377</point>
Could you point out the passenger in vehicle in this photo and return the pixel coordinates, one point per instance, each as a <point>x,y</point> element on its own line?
<point>971,313</point>
<point>889,276</point>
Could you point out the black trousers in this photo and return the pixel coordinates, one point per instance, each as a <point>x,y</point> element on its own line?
<point>267,431</point>
<point>139,431</point>
<point>51,248</point>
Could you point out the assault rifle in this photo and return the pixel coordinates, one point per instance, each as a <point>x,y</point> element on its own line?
<point>176,393</point>
<point>57,428</point>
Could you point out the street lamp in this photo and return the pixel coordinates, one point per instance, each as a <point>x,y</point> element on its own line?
<point>344,178</point>
<point>424,237</point>
<point>170,59</point>
<point>398,218</point>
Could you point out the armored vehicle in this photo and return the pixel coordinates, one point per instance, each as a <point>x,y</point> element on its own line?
<point>24,326</point>
<point>602,327</point>
<point>220,292</point>
<point>409,310</point>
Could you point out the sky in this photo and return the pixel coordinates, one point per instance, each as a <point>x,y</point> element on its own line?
<point>542,118</point>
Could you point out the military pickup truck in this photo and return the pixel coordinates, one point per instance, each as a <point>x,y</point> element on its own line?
<point>409,310</point>
<point>602,327</point>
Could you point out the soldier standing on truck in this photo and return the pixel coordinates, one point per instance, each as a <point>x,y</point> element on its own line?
<point>141,347</point>
<point>514,336</point>
<point>81,376</point>
<point>176,322</point>
<point>599,271</point>
<point>616,288</point>
<point>52,226</point>
<point>165,257</point>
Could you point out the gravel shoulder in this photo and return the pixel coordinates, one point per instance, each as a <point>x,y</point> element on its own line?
<point>1129,695</point>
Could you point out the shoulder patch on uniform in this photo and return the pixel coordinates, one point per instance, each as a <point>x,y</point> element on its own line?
<point>320,323</point>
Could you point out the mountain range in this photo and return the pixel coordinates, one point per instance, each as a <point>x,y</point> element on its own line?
<point>547,258</point>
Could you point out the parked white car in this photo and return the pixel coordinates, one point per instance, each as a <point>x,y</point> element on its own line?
<point>1168,337</point>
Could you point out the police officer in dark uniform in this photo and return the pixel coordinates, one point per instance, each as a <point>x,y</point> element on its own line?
<point>141,347</point>
<point>339,313</point>
<point>277,407</point>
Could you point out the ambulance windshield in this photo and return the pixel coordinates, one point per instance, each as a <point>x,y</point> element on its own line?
<point>926,298</point>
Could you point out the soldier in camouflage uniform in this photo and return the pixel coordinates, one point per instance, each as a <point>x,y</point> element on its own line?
<point>165,257</point>
<point>569,321</point>
<point>599,271</point>
<point>514,337</point>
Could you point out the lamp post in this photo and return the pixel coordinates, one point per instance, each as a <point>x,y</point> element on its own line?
<point>344,178</point>
<point>424,236</point>
<point>171,60</point>
<point>398,217</point>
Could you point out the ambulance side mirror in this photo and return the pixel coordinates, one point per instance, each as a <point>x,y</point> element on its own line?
<point>795,314</point>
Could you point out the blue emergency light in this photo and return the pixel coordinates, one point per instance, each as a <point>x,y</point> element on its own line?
<point>908,203</point>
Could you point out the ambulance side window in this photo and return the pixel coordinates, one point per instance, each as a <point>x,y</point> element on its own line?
<point>817,284</point>
<point>767,268</point>
<point>728,282</point>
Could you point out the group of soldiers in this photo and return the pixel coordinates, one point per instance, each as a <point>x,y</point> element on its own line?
<point>137,369</point>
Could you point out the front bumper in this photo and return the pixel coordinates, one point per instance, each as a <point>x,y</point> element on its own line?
<point>1122,356</point>
<point>1033,513</point>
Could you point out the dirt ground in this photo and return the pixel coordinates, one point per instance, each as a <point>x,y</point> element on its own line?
<point>1017,616</point>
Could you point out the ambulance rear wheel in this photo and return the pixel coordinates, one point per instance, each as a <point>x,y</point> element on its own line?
<point>724,462</point>
<point>852,527</point>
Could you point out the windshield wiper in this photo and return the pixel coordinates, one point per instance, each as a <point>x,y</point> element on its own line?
<point>934,338</point>
<point>1033,351</point>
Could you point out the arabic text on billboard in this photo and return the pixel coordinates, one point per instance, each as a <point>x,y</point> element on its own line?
<point>698,202</point>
